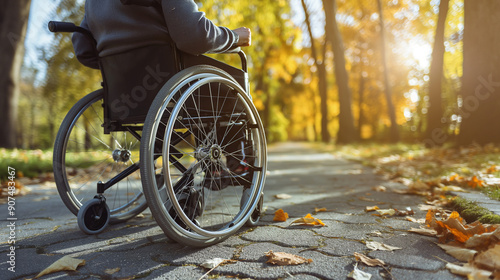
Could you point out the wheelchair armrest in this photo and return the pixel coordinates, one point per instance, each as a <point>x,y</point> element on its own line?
<point>242,55</point>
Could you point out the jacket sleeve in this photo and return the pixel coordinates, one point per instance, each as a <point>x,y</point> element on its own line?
<point>85,48</point>
<point>192,32</point>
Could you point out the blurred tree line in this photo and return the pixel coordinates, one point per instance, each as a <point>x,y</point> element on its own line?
<point>329,70</point>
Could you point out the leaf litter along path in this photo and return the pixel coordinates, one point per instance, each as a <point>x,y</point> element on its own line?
<point>311,178</point>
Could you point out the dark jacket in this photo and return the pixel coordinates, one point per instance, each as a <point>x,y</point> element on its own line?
<point>118,28</point>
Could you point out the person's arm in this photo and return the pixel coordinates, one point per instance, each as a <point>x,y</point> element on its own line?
<point>85,49</point>
<point>193,33</point>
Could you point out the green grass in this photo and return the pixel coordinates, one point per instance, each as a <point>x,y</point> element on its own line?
<point>32,163</point>
<point>471,212</point>
<point>493,192</point>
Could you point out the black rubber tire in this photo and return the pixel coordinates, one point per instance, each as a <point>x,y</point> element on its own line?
<point>67,191</point>
<point>156,200</point>
<point>93,216</point>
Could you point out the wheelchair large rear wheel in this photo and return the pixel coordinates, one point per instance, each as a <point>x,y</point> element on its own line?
<point>208,132</point>
<point>84,156</point>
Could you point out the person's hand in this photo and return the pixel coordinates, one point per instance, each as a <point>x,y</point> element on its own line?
<point>245,36</point>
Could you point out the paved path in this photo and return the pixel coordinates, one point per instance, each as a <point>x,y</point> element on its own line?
<point>46,231</point>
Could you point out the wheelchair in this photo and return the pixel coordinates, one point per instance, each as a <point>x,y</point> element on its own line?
<point>181,138</point>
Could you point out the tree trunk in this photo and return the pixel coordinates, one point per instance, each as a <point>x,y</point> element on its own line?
<point>434,123</point>
<point>323,90</point>
<point>361,117</point>
<point>347,131</point>
<point>481,77</point>
<point>13,24</point>
<point>394,133</point>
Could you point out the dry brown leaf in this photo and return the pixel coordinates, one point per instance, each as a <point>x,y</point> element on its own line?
<point>406,212</point>
<point>483,241</point>
<point>411,219</point>
<point>424,231</point>
<point>459,253</point>
<point>374,245</point>
<point>283,196</point>
<point>367,260</point>
<point>489,259</point>
<point>309,220</point>
<point>281,258</point>
<point>366,199</point>
<point>371,208</point>
<point>62,264</point>
<point>280,216</point>
<point>419,186</point>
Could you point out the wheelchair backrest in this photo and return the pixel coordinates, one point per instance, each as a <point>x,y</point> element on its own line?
<point>132,79</point>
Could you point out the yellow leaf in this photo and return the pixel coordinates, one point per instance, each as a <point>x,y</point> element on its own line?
<point>280,216</point>
<point>309,220</point>
<point>371,208</point>
<point>62,264</point>
<point>388,212</point>
<point>281,258</point>
<point>316,210</point>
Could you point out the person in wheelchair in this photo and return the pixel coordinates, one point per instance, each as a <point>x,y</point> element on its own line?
<point>118,28</point>
<point>153,25</point>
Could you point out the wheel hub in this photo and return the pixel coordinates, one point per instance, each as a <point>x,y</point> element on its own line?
<point>121,155</point>
<point>215,152</point>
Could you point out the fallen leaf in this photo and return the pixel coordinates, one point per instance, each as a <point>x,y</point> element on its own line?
<point>375,233</point>
<point>455,227</point>
<point>379,189</point>
<point>489,259</point>
<point>367,260</point>
<point>371,208</point>
<point>62,264</point>
<point>283,196</point>
<point>411,219</point>
<point>483,241</point>
<point>281,258</point>
<point>467,270</point>
<point>406,212</point>
<point>366,199</point>
<point>215,262</point>
<point>374,245</point>
<point>475,182</point>
<point>316,210</point>
<point>461,254</point>
<point>419,186</point>
<point>280,216</point>
<point>357,274</point>
<point>388,212</point>
<point>424,231</point>
<point>309,220</point>
<point>112,270</point>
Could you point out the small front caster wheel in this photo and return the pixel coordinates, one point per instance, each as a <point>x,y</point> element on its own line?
<point>93,216</point>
